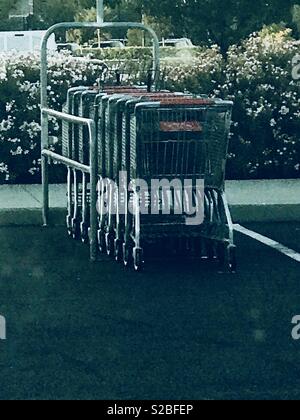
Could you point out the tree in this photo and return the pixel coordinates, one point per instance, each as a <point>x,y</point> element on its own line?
<point>296,17</point>
<point>5,8</point>
<point>50,12</point>
<point>114,11</point>
<point>222,22</point>
<point>219,21</point>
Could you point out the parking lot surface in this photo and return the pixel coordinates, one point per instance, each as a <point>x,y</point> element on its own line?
<point>180,330</point>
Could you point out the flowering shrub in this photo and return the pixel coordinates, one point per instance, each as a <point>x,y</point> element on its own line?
<point>194,71</point>
<point>20,112</point>
<point>265,139</point>
<point>257,76</point>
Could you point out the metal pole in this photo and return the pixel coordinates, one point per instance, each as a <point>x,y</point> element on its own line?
<point>100,11</point>
<point>93,179</point>
<point>44,134</point>
<point>100,19</point>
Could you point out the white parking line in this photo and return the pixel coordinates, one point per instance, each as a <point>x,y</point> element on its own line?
<point>269,242</point>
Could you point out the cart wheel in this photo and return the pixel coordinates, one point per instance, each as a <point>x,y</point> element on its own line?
<point>75,229</point>
<point>138,259</point>
<point>69,225</point>
<point>231,259</point>
<point>210,250</point>
<point>127,254</point>
<point>101,241</point>
<point>84,231</point>
<point>227,258</point>
<point>110,244</point>
<point>118,250</point>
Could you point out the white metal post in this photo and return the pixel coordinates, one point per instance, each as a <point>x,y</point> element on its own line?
<point>100,11</point>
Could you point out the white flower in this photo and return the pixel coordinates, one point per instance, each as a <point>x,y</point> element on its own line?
<point>3,168</point>
<point>6,125</point>
<point>284,110</point>
<point>9,106</point>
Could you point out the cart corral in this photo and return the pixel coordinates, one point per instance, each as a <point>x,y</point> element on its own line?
<point>113,133</point>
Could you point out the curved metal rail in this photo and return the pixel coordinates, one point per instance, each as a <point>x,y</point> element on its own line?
<point>46,113</point>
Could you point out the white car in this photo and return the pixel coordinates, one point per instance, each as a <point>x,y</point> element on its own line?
<point>177,43</point>
<point>114,43</point>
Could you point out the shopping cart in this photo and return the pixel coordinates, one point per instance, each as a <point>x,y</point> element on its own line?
<point>106,122</point>
<point>179,139</point>
<point>75,142</point>
<point>115,119</point>
<point>120,164</point>
<point>70,150</point>
<point>83,102</point>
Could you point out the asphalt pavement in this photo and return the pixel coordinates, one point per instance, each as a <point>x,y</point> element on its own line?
<point>180,330</point>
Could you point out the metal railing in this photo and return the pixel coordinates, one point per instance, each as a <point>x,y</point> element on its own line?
<point>91,169</point>
<point>46,154</point>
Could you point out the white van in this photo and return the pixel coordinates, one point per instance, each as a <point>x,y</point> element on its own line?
<point>28,41</point>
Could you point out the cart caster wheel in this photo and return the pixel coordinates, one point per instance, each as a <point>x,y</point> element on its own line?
<point>228,259</point>
<point>69,225</point>
<point>138,260</point>
<point>127,255</point>
<point>211,251</point>
<point>84,232</point>
<point>118,250</point>
<point>101,241</point>
<point>75,229</point>
<point>110,244</point>
<point>231,259</point>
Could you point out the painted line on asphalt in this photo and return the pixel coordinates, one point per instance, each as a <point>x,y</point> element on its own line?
<point>269,242</point>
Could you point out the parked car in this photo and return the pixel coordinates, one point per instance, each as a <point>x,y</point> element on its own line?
<point>72,47</point>
<point>176,43</point>
<point>27,41</point>
<point>114,43</point>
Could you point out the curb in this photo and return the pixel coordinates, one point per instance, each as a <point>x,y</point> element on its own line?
<point>31,217</point>
<point>240,214</point>
<point>250,201</point>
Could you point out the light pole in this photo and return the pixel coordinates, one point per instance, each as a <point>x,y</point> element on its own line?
<point>100,18</point>
<point>100,11</point>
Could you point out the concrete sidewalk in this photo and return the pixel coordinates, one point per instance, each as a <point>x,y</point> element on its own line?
<point>250,201</point>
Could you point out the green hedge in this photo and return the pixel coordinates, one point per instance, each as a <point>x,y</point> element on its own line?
<point>257,76</point>
<point>136,53</point>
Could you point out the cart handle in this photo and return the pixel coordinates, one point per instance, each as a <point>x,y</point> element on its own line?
<point>95,25</point>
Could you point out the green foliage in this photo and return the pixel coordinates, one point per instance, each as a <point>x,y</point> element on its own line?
<point>265,139</point>
<point>216,21</point>
<point>140,53</point>
<point>5,7</point>
<point>20,114</point>
<point>204,21</point>
<point>296,17</point>
<point>257,76</point>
